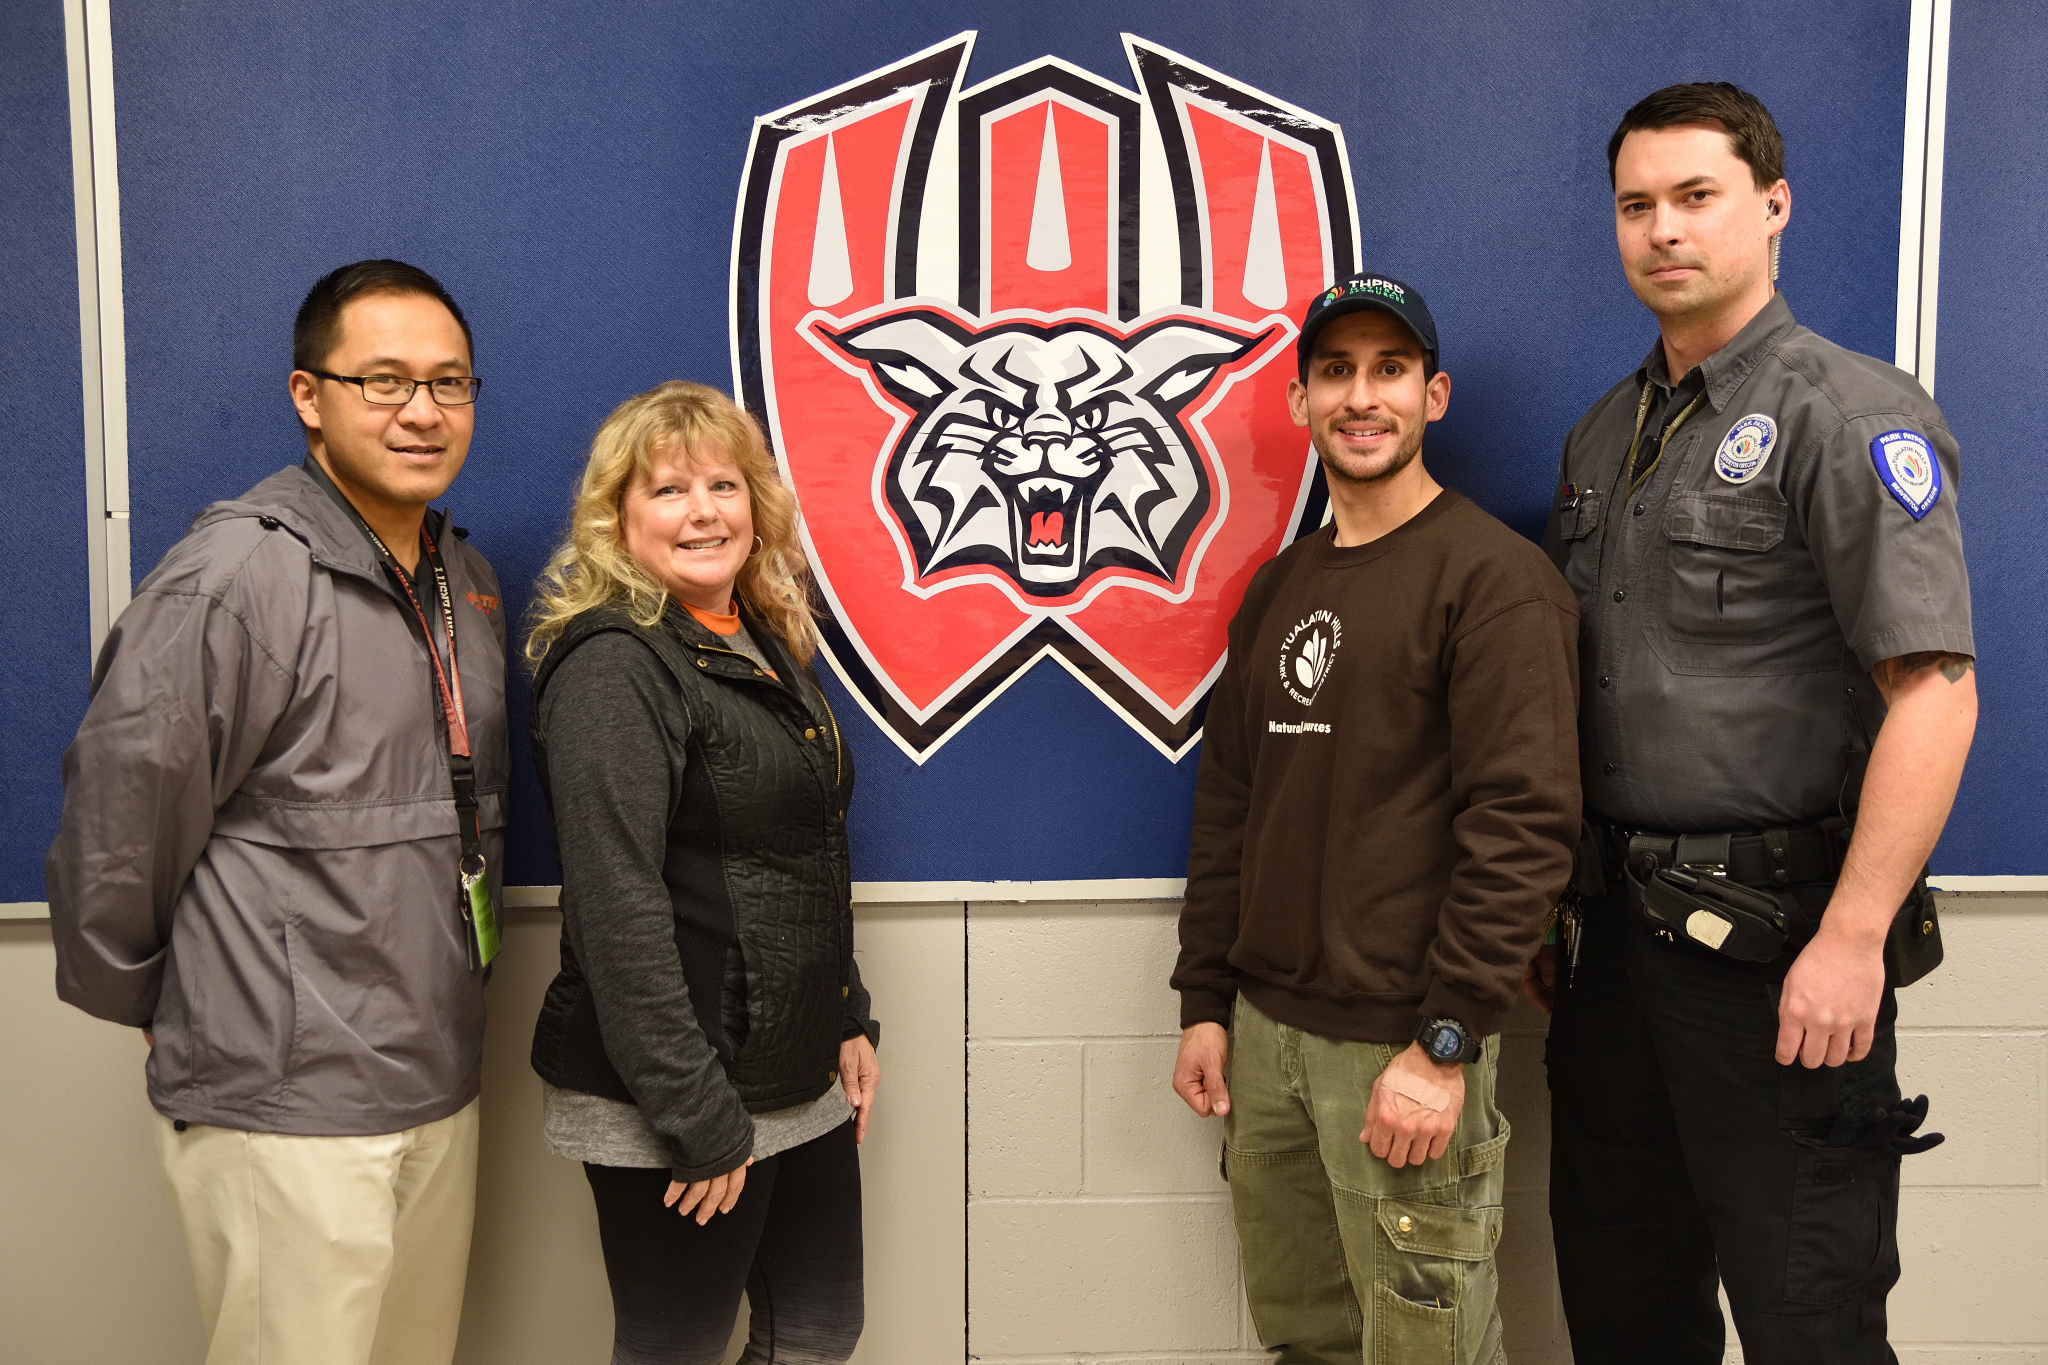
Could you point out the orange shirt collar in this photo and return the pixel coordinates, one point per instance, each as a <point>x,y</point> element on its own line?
<point>728,624</point>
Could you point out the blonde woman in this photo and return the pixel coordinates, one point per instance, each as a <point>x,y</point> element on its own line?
<point>706,1050</point>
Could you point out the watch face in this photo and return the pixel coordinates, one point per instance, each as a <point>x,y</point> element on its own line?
<point>1446,1044</point>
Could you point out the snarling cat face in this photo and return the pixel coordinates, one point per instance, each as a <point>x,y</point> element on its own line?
<point>1049,451</point>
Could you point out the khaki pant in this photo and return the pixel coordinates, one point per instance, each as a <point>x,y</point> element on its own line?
<point>327,1250</point>
<point>1345,1258</point>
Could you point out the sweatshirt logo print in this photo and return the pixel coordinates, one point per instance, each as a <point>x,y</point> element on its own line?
<point>1306,654</point>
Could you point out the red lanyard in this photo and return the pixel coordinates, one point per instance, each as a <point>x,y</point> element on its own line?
<point>451,697</point>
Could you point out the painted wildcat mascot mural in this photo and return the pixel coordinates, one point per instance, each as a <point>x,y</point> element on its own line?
<point>1046,452</point>
<point>1033,402</point>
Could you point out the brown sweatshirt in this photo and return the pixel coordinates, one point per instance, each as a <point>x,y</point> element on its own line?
<point>1389,788</point>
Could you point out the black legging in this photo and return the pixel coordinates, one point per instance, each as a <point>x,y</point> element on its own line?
<point>793,1242</point>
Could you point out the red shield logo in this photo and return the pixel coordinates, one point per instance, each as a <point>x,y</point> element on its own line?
<point>1022,349</point>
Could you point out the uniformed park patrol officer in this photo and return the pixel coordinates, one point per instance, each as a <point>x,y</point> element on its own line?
<point>1761,531</point>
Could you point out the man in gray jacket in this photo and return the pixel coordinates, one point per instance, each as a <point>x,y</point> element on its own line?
<point>279,852</point>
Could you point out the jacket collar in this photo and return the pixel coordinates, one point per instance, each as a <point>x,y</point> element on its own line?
<point>296,498</point>
<point>697,635</point>
<point>1726,369</point>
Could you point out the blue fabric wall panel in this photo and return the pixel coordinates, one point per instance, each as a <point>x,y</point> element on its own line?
<point>1991,369</point>
<point>44,607</point>
<point>571,174</point>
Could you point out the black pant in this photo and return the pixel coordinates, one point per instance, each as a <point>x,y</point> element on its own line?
<point>793,1242</point>
<point>1681,1151</point>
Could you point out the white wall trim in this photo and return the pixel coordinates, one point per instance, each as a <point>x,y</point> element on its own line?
<point>1108,889</point>
<point>933,893</point>
<point>102,337</point>
<point>1993,886</point>
<point>1920,190</point>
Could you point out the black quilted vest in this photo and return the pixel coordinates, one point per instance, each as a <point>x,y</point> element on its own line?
<point>756,869</point>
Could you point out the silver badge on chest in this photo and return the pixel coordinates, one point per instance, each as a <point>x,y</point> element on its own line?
<point>1746,449</point>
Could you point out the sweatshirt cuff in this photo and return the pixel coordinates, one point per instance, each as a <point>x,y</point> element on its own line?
<point>1445,1001</point>
<point>1204,1007</point>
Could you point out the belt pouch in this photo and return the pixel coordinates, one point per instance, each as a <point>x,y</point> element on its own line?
<point>1732,919</point>
<point>1912,948</point>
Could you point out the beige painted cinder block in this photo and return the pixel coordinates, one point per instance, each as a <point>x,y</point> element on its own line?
<point>1143,1358</point>
<point>1073,969</point>
<point>537,1288</point>
<point>1141,1139</point>
<point>1532,1316</point>
<point>92,1261</point>
<point>1524,1099</point>
<point>1024,1119</point>
<point>1972,1261</point>
<point>2034,1354</point>
<point>1097,1277</point>
<point>913,1164</point>
<point>1988,1093</point>
<point>1992,950</point>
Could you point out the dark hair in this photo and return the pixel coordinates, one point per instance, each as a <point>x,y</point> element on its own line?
<point>1752,133</point>
<point>317,329</point>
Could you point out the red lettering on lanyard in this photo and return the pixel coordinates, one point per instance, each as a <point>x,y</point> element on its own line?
<point>451,697</point>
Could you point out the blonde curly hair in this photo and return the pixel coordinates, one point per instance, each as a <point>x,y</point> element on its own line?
<point>591,567</point>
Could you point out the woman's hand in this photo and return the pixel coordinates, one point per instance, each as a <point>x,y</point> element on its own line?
<point>716,1195</point>
<point>860,1073</point>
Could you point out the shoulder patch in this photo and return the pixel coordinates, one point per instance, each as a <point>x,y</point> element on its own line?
<point>1746,449</point>
<point>1906,464</point>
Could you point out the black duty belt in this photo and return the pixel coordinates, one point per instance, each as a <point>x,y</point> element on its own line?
<point>1728,891</point>
<point>1766,858</point>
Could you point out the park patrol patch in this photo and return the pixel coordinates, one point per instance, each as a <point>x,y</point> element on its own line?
<point>1746,449</point>
<point>1907,465</point>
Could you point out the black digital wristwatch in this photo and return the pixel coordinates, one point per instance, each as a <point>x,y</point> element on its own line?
<point>1446,1041</point>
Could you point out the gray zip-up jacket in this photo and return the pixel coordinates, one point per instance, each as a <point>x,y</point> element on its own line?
<point>257,856</point>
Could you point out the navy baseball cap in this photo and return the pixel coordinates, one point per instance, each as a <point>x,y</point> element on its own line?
<point>1367,289</point>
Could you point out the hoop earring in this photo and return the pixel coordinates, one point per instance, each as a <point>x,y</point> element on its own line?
<point>758,547</point>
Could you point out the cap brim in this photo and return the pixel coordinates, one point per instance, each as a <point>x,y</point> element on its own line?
<point>1358,303</point>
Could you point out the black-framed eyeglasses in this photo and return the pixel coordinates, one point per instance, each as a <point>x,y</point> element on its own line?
<point>395,391</point>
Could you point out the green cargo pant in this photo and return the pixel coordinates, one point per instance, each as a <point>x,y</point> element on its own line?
<point>1347,1260</point>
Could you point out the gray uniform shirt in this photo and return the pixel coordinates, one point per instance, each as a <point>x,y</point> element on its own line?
<point>1799,528</point>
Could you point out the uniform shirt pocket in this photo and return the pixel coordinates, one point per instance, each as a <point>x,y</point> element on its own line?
<point>1578,525</point>
<point>1724,584</point>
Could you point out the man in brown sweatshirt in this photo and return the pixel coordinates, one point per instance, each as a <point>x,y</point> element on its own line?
<point>1384,814</point>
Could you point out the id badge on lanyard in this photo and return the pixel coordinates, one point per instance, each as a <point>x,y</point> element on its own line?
<point>473,900</point>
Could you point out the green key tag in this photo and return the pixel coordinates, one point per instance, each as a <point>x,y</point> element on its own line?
<point>483,914</point>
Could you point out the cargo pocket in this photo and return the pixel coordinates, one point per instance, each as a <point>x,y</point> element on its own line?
<point>1411,1333</point>
<point>1720,566</point>
<point>1843,1203</point>
<point>1435,1275</point>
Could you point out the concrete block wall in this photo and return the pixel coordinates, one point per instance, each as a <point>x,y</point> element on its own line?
<point>1099,1230</point>
<point>1098,1226</point>
<point>1973,1213</point>
<point>1034,1192</point>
